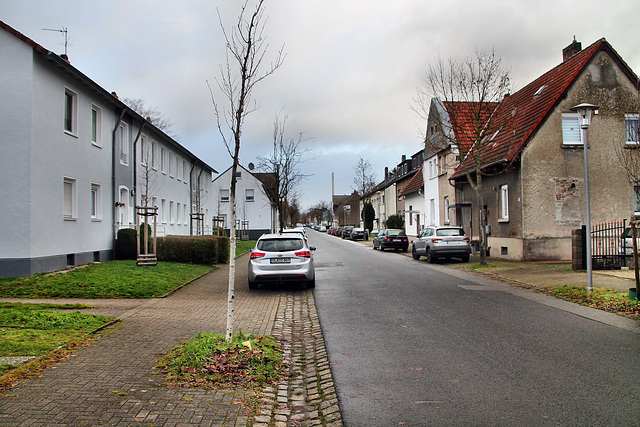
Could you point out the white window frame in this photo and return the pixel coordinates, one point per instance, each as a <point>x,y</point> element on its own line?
<point>95,208</point>
<point>627,118</point>
<point>163,160</point>
<point>178,214</point>
<point>163,211</point>
<point>249,195</point>
<point>504,202</point>
<point>571,122</point>
<point>144,150</point>
<point>171,165</point>
<point>447,218</point>
<point>224,195</point>
<point>123,136</point>
<point>178,168</point>
<point>636,200</point>
<point>96,125</point>
<point>70,113</point>
<point>154,155</point>
<point>69,199</point>
<point>171,215</point>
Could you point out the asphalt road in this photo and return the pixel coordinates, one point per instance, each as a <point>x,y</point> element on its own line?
<point>416,344</point>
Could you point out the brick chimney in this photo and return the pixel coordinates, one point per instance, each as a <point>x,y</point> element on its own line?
<point>571,50</point>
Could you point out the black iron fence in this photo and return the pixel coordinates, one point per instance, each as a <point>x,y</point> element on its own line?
<point>609,245</point>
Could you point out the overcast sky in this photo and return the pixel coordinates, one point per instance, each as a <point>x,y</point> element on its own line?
<point>351,69</point>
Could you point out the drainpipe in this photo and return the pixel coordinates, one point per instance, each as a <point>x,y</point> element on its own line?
<point>193,165</point>
<point>135,163</point>
<point>114,192</point>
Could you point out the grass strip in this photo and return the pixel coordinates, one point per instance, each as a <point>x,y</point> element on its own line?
<point>113,279</point>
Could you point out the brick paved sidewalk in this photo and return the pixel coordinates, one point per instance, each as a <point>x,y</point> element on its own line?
<point>113,382</point>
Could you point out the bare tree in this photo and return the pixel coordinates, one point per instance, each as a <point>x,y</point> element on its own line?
<point>283,164</point>
<point>245,50</point>
<point>152,114</point>
<point>364,179</point>
<point>473,91</point>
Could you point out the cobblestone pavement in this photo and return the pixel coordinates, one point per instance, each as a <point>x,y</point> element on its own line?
<point>113,382</point>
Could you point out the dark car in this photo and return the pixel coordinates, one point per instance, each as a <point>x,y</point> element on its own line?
<point>346,231</point>
<point>441,242</point>
<point>391,238</point>
<point>357,234</point>
<point>338,232</point>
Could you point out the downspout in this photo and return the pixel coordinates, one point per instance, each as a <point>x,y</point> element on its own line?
<point>114,192</point>
<point>135,164</point>
<point>193,165</point>
<point>200,198</point>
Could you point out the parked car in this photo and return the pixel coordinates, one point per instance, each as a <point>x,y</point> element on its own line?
<point>322,229</point>
<point>296,231</point>
<point>441,242</point>
<point>338,232</point>
<point>391,238</point>
<point>281,258</point>
<point>357,234</point>
<point>346,231</point>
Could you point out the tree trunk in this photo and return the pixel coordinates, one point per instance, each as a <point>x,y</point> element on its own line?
<point>482,235</point>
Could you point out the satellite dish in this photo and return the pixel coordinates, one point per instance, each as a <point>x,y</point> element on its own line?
<point>251,166</point>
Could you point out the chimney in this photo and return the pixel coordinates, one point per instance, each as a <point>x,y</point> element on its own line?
<point>65,57</point>
<point>386,172</point>
<point>404,158</point>
<point>571,50</point>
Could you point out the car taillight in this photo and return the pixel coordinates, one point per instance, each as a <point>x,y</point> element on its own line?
<point>256,254</point>
<point>466,239</point>
<point>436,240</point>
<point>386,239</point>
<point>304,254</point>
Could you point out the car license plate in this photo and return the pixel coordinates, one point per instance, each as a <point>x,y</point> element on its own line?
<point>280,260</point>
<point>397,240</point>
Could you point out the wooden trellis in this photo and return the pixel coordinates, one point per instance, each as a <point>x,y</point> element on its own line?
<point>144,256</point>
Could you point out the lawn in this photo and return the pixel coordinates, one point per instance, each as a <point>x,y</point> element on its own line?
<point>37,329</point>
<point>112,279</point>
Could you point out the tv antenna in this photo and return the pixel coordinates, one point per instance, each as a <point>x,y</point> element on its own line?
<point>65,32</point>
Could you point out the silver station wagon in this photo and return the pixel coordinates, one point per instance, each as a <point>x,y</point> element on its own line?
<point>279,258</point>
<point>441,242</point>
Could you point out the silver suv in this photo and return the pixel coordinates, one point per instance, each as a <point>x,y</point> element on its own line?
<point>282,258</point>
<point>441,242</point>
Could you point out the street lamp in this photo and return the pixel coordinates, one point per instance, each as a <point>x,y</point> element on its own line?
<point>584,111</point>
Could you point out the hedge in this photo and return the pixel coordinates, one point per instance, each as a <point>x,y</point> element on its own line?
<point>206,250</point>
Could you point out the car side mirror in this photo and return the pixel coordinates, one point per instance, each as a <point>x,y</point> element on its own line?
<point>312,248</point>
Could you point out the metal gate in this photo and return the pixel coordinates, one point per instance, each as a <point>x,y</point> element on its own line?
<point>608,245</point>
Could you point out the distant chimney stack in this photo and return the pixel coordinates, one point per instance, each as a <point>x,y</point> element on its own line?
<point>571,50</point>
<point>65,57</point>
<point>386,172</point>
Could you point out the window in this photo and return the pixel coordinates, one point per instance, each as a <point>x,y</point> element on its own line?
<point>69,199</point>
<point>504,202</point>
<point>248,195</point>
<point>171,216</point>
<point>171,165</point>
<point>144,151</point>
<point>447,218</point>
<point>178,214</point>
<point>636,198</point>
<point>163,211</point>
<point>224,195</point>
<point>96,126</point>
<point>185,217</point>
<point>96,202</point>
<point>154,155</point>
<point>571,134</point>
<point>238,176</point>
<point>631,122</point>
<point>123,136</point>
<point>70,111</point>
<point>184,171</point>
<point>123,210</point>
<point>410,215</point>
<point>163,160</point>
<point>178,168</point>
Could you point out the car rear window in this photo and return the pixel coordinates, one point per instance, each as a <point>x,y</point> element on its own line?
<point>396,233</point>
<point>450,232</point>
<point>280,245</point>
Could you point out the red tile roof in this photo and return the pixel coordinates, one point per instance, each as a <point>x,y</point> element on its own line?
<point>416,183</point>
<point>524,111</point>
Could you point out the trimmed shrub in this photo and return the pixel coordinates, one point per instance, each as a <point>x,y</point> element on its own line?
<point>395,221</point>
<point>205,250</point>
<point>368,215</point>
<point>126,247</point>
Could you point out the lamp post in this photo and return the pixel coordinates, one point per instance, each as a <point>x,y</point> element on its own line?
<point>584,111</point>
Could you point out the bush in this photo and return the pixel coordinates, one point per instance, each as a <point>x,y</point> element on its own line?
<point>395,221</point>
<point>126,247</point>
<point>205,250</point>
<point>368,215</point>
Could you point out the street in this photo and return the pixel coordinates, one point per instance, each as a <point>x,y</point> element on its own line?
<point>411,343</point>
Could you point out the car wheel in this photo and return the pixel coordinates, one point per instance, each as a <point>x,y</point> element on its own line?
<point>414,254</point>
<point>252,285</point>
<point>381,247</point>
<point>465,258</point>
<point>430,257</point>
<point>311,283</point>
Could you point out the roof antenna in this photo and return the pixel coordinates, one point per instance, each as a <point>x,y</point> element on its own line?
<point>63,30</point>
